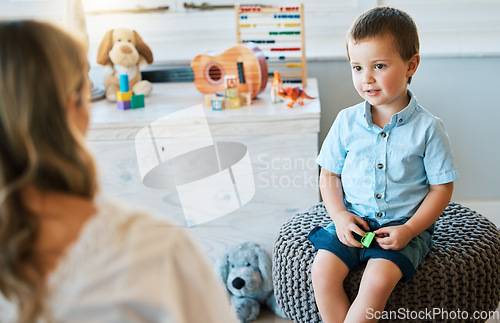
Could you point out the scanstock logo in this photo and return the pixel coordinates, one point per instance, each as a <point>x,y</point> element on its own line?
<point>211,178</point>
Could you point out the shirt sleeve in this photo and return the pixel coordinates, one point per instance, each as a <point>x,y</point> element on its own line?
<point>439,162</point>
<point>195,293</point>
<point>333,153</point>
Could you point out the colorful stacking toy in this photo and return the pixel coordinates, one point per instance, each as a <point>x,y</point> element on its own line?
<point>125,99</point>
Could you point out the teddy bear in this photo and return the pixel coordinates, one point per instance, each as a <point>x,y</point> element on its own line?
<point>246,271</point>
<point>122,51</point>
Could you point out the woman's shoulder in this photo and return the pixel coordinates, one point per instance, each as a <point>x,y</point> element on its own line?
<point>115,232</point>
<point>120,250</point>
<point>126,218</point>
<point>125,226</point>
<point>119,237</point>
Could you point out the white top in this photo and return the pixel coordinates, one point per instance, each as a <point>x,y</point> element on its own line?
<point>127,266</point>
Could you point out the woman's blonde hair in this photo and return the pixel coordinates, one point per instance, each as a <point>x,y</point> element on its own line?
<point>41,66</point>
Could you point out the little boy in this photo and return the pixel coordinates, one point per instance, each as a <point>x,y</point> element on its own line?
<point>387,167</point>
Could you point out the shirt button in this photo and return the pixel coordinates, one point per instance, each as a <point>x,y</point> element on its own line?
<point>400,120</point>
<point>380,214</point>
<point>378,196</point>
<point>383,134</point>
<point>380,166</point>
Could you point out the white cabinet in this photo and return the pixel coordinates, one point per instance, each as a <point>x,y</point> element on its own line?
<point>282,144</point>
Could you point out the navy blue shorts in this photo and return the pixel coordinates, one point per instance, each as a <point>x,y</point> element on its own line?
<point>407,259</point>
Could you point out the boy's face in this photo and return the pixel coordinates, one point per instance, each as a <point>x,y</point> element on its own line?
<point>379,73</point>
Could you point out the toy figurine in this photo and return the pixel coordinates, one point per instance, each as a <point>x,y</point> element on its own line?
<point>367,239</point>
<point>295,94</point>
<point>276,86</point>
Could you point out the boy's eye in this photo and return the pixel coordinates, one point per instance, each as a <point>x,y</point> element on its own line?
<point>356,68</point>
<point>379,66</point>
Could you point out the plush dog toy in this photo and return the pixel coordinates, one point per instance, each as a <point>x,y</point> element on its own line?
<point>122,51</point>
<point>246,271</point>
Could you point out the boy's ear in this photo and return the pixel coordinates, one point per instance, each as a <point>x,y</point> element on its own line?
<point>413,65</point>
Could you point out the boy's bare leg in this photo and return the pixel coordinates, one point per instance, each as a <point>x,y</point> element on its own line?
<point>328,273</point>
<point>378,282</point>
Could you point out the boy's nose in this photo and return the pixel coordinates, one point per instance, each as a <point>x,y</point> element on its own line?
<point>368,78</point>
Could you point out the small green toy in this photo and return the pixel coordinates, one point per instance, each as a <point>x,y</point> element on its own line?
<point>366,240</point>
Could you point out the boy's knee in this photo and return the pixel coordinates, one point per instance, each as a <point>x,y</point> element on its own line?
<point>327,269</point>
<point>317,268</point>
<point>381,279</point>
<point>379,285</point>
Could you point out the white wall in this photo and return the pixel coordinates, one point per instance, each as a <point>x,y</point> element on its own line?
<point>447,28</point>
<point>460,90</point>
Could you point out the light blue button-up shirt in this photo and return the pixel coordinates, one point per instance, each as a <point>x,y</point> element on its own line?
<point>386,173</point>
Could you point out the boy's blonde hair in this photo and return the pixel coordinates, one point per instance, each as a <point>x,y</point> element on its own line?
<point>385,21</point>
<point>41,67</point>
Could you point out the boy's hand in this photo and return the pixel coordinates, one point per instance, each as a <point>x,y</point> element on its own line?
<point>346,223</point>
<point>394,237</point>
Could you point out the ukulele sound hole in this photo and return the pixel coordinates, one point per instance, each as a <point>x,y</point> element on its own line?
<point>214,74</point>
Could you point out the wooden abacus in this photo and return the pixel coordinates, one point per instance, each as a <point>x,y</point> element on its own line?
<point>279,33</point>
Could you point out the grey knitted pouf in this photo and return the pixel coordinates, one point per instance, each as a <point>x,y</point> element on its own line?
<point>460,275</point>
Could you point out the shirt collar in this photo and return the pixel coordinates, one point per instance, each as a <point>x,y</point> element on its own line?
<point>397,119</point>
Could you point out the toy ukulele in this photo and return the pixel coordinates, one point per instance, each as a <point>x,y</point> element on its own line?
<point>246,61</point>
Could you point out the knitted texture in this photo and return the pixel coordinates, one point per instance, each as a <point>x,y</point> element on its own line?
<point>461,273</point>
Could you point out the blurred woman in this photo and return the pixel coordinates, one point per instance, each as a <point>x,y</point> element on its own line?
<point>67,254</point>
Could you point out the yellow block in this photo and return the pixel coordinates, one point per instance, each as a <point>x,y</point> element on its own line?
<point>245,98</point>
<point>208,99</point>
<point>234,103</point>
<point>124,96</point>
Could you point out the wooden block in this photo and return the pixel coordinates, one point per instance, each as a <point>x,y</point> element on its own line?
<point>246,98</point>
<point>124,85</point>
<point>123,96</point>
<point>123,105</point>
<point>231,81</point>
<point>218,104</point>
<point>208,99</point>
<point>137,101</point>
<point>234,103</point>
<point>232,92</point>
